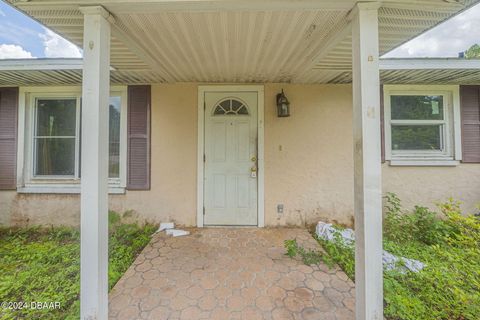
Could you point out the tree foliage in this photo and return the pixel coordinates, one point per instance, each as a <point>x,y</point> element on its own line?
<point>473,52</point>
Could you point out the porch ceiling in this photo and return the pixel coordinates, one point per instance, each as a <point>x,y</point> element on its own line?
<point>303,41</point>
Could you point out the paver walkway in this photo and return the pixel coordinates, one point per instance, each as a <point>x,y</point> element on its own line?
<point>226,273</point>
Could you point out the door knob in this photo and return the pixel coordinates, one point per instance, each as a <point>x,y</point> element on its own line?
<point>254,159</point>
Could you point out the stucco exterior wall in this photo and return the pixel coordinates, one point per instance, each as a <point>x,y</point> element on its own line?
<point>309,155</point>
<point>428,186</point>
<point>308,166</point>
<point>39,209</point>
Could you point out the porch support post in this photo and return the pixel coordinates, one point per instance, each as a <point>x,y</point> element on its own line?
<point>94,164</point>
<point>367,163</point>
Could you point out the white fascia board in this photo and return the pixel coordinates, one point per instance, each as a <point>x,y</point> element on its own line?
<point>155,6</point>
<point>429,64</point>
<point>44,64</point>
<point>41,64</point>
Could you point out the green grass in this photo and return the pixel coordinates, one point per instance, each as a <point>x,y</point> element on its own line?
<point>447,242</point>
<point>43,265</point>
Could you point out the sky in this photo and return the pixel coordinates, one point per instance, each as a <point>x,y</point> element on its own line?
<point>445,40</point>
<point>22,37</point>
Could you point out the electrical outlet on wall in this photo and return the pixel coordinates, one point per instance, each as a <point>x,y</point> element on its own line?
<point>280,208</point>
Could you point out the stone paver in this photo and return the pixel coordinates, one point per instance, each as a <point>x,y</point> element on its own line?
<point>230,273</point>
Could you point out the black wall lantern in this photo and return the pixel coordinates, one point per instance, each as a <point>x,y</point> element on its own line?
<point>283,106</point>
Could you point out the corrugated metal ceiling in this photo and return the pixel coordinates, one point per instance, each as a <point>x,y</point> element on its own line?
<point>264,44</point>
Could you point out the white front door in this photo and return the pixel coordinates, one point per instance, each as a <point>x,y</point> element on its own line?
<point>230,162</point>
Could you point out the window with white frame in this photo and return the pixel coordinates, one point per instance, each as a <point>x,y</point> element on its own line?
<point>420,123</point>
<point>53,139</point>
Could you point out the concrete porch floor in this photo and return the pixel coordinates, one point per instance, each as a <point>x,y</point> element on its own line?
<point>226,273</point>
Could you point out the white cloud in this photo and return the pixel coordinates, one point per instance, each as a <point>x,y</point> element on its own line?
<point>12,51</point>
<point>57,47</point>
<point>446,40</point>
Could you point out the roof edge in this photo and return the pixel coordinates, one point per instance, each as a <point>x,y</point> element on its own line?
<point>429,64</point>
<point>41,64</point>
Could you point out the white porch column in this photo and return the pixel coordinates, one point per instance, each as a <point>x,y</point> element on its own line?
<point>367,163</point>
<point>94,185</point>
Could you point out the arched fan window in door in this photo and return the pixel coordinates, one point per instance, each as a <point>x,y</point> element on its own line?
<point>230,106</point>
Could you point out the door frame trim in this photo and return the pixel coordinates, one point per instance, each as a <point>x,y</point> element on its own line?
<point>260,146</point>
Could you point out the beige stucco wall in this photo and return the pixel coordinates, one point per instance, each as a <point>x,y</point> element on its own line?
<point>308,165</point>
<point>428,186</point>
<point>38,209</point>
<point>309,155</point>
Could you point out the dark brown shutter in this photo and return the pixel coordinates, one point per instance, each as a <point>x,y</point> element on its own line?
<point>8,138</point>
<point>470,109</point>
<point>138,174</point>
<point>382,126</point>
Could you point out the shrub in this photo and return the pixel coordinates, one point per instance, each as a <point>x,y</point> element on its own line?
<point>394,219</point>
<point>464,230</point>
<point>421,224</point>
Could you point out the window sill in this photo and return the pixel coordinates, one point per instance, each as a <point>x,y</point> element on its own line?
<point>64,189</point>
<point>424,163</point>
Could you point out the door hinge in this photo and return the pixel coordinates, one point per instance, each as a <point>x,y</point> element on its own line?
<point>204,106</point>
<point>204,158</point>
<point>203,210</point>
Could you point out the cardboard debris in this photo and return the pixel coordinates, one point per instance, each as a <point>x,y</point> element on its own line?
<point>390,262</point>
<point>177,232</point>
<point>166,226</point>
<point>327,232</point>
